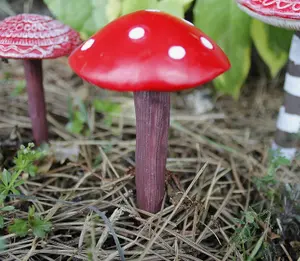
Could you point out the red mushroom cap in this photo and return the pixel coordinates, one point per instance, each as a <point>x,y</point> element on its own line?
<point>31,36</point>
<point>280,13</point>
<point>148,51</point>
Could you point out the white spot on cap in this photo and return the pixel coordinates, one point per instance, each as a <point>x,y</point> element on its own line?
<point>137,33</point>
<point>206,43</point>
<point>88,44</point>
<point>177,52</point>
<point>188,22</point>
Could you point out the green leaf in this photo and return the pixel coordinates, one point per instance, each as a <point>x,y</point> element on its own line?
<point>7,208</point>
<point>32,170</point>
<point>19,89</point>
<point>6,177</point>
<point>31,212</point>
<point>186,4</point>
<point>108,121</point>
<point>106,106</point>
<point>19,182</point>
<point>229,27</point>
<point>174,7</point>
<point>19,227</point>
<point>2,244</point>
<point>97,6</point>
<point>14,178</point>
<point>129,6</point>
<point>83,111</point>
<point>25,160</point>
<point>272,44</point>
<point>250,216</point>
<point>74,13</point>
<point>4,192</point>
<point>40,227</point>
<point>85,16</point>
<point>2,197</point>
<point>15,191</point>
<point>238,221</point>
<point>75,127</point>
<point>1,222</point>
<point>113,9</point>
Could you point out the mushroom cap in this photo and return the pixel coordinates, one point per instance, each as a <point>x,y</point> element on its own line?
<point>148,50</point>
<point>32,36</point>
<point>279,13</point>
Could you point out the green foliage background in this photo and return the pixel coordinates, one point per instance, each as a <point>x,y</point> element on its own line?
<point>222,20</point>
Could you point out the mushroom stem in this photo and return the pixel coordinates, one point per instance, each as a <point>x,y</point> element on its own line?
<point>36,100</point>
<point>152,125</point>
<point>288,122</point>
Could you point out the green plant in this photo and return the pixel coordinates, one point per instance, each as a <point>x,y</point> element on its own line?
<point>231,28</point>
<point>88,16</point>
<point>24,162</point>
<point>85,16</point>
<point>240,30</point>
<point>248,233</point>
<point>2,244</point>
<point>19,89</point>
<point>10,181</point>
<point>267,182</point>
<point>78,117</point>
<point>34,223</point>
<point>108,109</point>
<point>250,226</point>
<point>26,158</point>
<point>246,227</point>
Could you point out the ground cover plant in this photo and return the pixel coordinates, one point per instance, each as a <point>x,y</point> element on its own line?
<point>227,197</point>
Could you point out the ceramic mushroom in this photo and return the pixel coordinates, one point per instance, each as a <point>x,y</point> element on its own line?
<point>284,14</point>
<point>32,38</point>
<point>150,53</point>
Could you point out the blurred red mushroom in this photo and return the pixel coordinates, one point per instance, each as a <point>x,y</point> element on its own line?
<point>151,54</point>
<point>32,37</point>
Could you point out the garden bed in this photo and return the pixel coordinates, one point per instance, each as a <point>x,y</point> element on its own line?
<point>219,205</point>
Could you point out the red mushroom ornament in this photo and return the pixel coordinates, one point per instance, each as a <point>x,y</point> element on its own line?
<point>31,38</point>
<point>150,53</point>
<point>284,14</point>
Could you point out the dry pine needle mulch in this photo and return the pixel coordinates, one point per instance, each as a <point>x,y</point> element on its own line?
<point>212,159</point>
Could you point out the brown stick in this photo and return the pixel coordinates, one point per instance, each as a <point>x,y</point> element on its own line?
<point>152,125</point>
<point>36,100</point>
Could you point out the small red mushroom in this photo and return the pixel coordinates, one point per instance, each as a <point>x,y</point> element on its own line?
<point>32,37</point>
<point>150,53</point>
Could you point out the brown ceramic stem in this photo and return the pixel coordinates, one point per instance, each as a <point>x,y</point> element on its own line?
<point>152,125</point>
<point>36,100</point>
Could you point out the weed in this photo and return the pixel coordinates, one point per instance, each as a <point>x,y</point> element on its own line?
<point>34,223</point>
<point>267,182</point>
<point>10,181</point>
<point>19,89</point>
<point>107,108</point>
<point>2,244</point>
<point>24,162</point>
<point>248,231</point>
<point>80,120</point>
<point>78,117</point>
